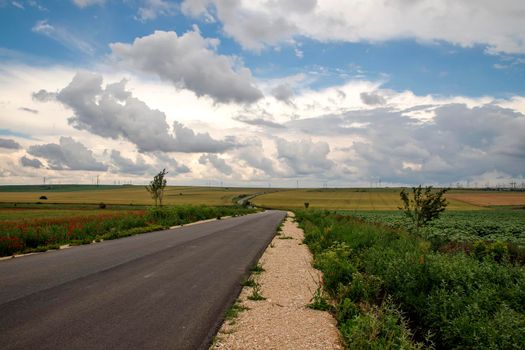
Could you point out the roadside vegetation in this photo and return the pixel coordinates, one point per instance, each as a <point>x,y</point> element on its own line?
<point>39,234</point>
<point>391,287</point>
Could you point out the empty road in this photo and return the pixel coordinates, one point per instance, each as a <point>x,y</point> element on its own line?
<point>160,290</point>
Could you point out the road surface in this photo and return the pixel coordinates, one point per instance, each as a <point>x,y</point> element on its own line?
<point>160,290</point>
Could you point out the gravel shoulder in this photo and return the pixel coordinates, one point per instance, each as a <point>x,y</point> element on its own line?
<point>282,320</point>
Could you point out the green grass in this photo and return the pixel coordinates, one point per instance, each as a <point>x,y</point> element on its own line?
<point>506,225</point>
<point>257,269</point>
<point>233,311</point>
<point>392,289</point>
<point>256,293</point>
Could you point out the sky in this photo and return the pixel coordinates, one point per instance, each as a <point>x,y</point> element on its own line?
<point>263,93</point>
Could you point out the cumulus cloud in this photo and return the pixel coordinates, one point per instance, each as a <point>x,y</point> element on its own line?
<point>164,160</point>
<point>256,24</point>
<point>31,163</point>
<point>190,61</point>
<point>44,96</point>
<point>127,165</point>
<point>254,156</point>
<point>457,143</point>
<point>218,163</point>
<point>68,154</point>
<point>372,98</point>
<point>304,157</point>
<point>113,112</point>
<point>9,144</point>
<point>282,92</point>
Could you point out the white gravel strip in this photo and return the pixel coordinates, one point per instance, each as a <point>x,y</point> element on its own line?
<point>282,321</point>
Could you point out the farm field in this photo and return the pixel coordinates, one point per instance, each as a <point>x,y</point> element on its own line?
<point>504,225</point>
<point>29,229</point>
<point>484,198</point>
<point>123,195</point>
<point>345,199</point>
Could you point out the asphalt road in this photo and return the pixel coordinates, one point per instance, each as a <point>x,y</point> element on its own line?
<point>160,290</point>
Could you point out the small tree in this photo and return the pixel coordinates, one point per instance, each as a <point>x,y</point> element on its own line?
<point>156,187</point>
<point>424,206</point>
<point>306,205</point>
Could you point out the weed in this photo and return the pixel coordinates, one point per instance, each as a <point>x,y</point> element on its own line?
<point>249,282</point>
<point>319,300</point>
<point>286,237</point>
<point>257,269</point>
<point>256,293</point>
<point>233,311</point>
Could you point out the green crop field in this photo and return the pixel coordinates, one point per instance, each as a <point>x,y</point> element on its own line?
<point>349,199</point>
<point>505,225</point>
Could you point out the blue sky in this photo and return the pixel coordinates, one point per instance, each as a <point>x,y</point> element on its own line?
<point>284,61</point>
<point>406,64</point>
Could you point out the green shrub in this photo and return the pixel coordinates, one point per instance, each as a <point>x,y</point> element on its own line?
<point>374,273</point>
<point>381,327</point>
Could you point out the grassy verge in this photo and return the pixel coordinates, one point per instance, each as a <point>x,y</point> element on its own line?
<point>24,236</point>
<point>392,290</point>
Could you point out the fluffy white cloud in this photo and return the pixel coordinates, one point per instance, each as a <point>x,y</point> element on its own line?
<point>257,23</point>
<point>190,61</point>
<point>113,112</point>
<point>304,157</point>
<point>68,154</point>
<point>218,163</point>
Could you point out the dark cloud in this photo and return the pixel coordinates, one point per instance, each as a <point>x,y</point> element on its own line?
<point>457,144</point>
<point>114,113</point>
<point>190,61</point>
<point>253,155</point>
<point>32,163</point>
<point>372,98</point>
<point>9,144</point>
<point>164,160</point>
<point>304,157</point>
<point>68,154</point>
<point>218,163</point>
<point>283,92</point>
<point>259,122</point>
<point>29,110</point>
<point>128,166</point>
<point>44,96</point>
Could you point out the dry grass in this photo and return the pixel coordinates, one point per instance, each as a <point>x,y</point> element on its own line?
<point>136,195</point>
<point>344,199</point>
<point>490,198</point>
